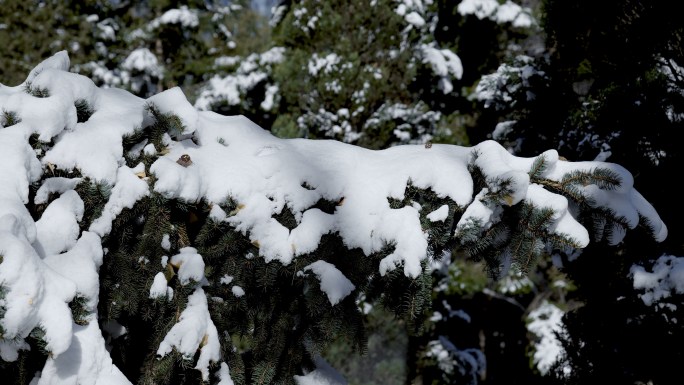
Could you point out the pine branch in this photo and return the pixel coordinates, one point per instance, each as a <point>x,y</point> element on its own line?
<point>83,110</point>
<point>538,167</point>
<point>9,118</point>
<point>36,91</point>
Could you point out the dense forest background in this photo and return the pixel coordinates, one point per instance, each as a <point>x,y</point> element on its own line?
<point>593,82</point>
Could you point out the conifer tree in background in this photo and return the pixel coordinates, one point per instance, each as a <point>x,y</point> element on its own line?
<point>609,87</point>
<point>162,44</point>
<point>193,247</point>
<point>144,47</point>
<point>348,71</point>
<point>33,31</point>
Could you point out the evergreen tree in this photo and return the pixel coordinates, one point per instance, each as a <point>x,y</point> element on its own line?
<point>193,247</point>
<point>35,30</point>
<point>144,47</point>
<point>349,70</point>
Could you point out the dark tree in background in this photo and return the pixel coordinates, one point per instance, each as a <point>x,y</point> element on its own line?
<point>609,86</point>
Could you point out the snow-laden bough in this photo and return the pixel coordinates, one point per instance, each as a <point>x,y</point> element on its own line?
<point>48,144</point>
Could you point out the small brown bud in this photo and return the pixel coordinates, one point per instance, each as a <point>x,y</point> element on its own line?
<point>184,160</point>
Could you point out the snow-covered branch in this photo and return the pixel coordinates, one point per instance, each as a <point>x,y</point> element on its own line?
<point>49,260</point>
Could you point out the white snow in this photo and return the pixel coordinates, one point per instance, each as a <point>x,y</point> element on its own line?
<point>563,222</point>
<point>159,286</point>
<point>85,362</point>
<point>149,149</point>
<point>173,101</point>
<point>443,61</point>
<point>545,321</point>
<point>57,229</point>
<point>194,331</point>
<point>439,215</point>
<point>237,291</point>
<point>129,188</point>
<point>190,266</point>
<point>415,19</point>
<point>508,12</point>
<point>186,17</point>
<point>57,185</point>
<point>666,279</point>
<point>479,8</point>
<point>226,279</point>
<point>333,283</point>
<point>271,92</point>
<point>166,243</point>
<point>143,60</point>
<point>224,375</point>
<point>445,64</point>
<point>326,64</point>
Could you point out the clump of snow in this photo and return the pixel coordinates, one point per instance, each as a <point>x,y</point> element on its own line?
<point>326,64</point>
<point>57,185</point>
<point>149,149</point>
<point>237,291</point>
<point>224,375</point>
<point>183,16</point>
<point>166,243</point>
<point>439,215</point>
<point>271,92</point>
<point>502,129</point>
<point>666,279</point>
<point>57,229</point>
<point>160,287</point>
<point>545,321</point>
<point>36,295</point>
<point>563,221</point>
<point>129,188</point>
<point>445,64</point>
<point>226,279</point>
<point>143,60</point>
<point>333,283</point>
<point>217,214</point>
<point>81,264</point>
<point>415,19</point>
<point>194,331</point>
<point>479,213</point>
<point>190,266</point>
<point>508,12</point>
<point>85,362</point>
